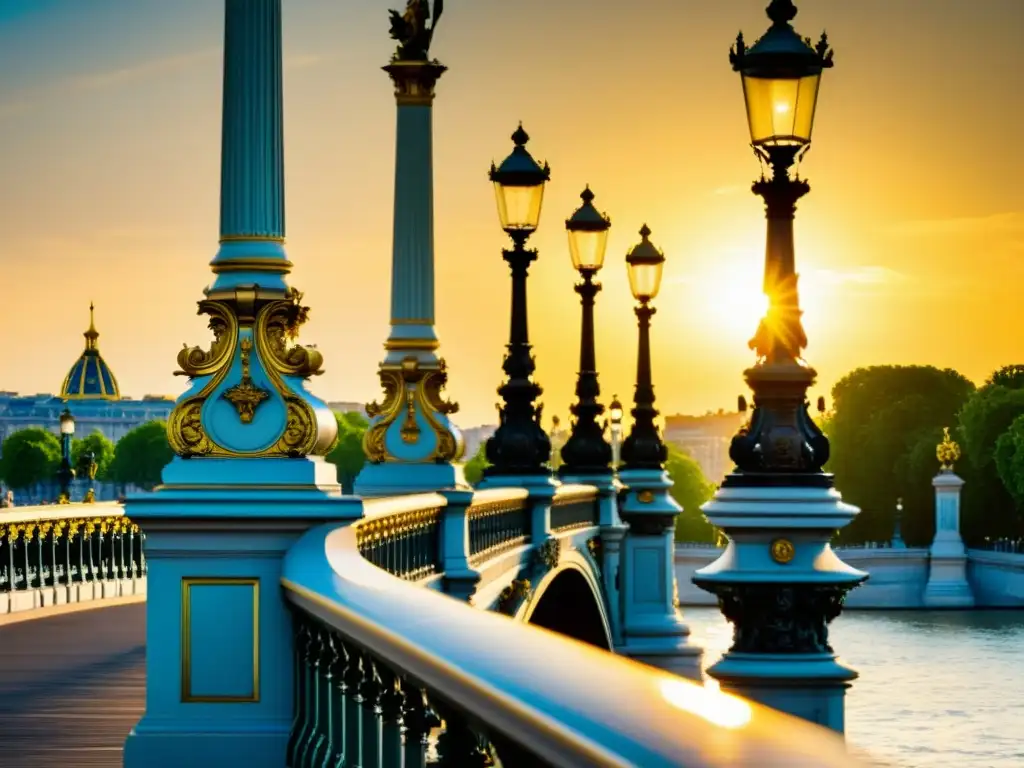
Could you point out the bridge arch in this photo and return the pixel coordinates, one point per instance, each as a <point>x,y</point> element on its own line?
<point>568,600</point>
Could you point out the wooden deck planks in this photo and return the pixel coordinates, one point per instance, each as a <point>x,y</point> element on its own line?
<point>71,687</point>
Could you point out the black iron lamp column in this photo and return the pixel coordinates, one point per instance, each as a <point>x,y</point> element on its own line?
<point>586,452</point>
<point>779,583</point>
<point>643,448</point>
<point>87,471</point>
<point>65,474</point>
<point>653,627</point>
<point>519,446</point>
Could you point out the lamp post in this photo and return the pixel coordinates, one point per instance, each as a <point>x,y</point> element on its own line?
<point>653,629</point>
<point>87,470</point>
<point>519,448</point>
<point>615,418</point>
<point>779,582</point>
<point>897,539</point>
<point>65,474</point>
<point>586,452</point>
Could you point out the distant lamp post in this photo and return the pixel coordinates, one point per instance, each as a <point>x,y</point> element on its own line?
<point>65,474</point>
<point>615,419</point>
<point>897,539</point>
<point>87,470</point>
<point>778,582</point>
<point>586,452</point>
<point>519,446</point>
<point>644,449</point>
<point>653,628</point>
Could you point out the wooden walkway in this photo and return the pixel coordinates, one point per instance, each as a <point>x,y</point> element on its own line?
<point>71,687</point>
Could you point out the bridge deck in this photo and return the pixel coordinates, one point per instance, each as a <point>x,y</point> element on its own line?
<point>71,687</point>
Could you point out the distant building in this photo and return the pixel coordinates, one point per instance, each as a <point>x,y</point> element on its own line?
<point>91,393</point>
<point>474,437</point>
<point>707,439</point>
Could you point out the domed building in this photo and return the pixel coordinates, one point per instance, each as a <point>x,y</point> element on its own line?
<point>90,391</point>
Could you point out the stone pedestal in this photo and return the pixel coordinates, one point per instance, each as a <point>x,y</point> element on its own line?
<point>947,585</point>
<point>219,663</point>
<point>653,630</point>
<point>779,583</point>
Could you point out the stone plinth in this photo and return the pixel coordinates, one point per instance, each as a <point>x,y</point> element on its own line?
<point>947,585</point>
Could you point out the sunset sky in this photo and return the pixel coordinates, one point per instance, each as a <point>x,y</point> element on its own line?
<point>910,245</point>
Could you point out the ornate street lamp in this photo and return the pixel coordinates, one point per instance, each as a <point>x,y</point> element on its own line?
<point>779,582</point>
<point>653,628</point>
<point>586,452</point>
<point>65,474</point>
<point>643,449</point>
<point>615,418</point>
<point>519,446</point>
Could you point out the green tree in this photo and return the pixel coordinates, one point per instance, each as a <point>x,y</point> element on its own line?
<point>102,450</point>
<point>1009,376</point>
<point>347,454</point>
<point>690,489</point>
<point>30,456</point>
<point>141,455</point>
<point>474,468</point>
<point>989,508</point>
<point>883,428</point>
<point>1009,459</point>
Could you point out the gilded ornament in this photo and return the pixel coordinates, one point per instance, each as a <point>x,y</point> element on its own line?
<point>245,395</point>
<point>275,324</point>
<point>782,551</point>
<point>548,554</point>
<point>410,430</point>
<point>645,497</point>
<point>514,595</point>
<point>90,497</point>
<point>947,452</point>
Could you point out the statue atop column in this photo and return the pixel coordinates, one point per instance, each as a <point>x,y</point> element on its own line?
<point>411,31</point>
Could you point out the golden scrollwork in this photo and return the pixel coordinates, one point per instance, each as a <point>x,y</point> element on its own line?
<point>196,361</point>
<point>245,395</point>
<point>407,387</point>
<point>431,402</point>
<point>947,452</point>
<point>277,326</point>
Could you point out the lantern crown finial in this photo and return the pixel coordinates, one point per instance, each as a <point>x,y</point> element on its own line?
<point>781,11</point>
<point>520,137</point>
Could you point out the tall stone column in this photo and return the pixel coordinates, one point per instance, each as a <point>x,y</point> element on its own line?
<point>411,443</point>
<point>947,585</point>
<point>249,476</point>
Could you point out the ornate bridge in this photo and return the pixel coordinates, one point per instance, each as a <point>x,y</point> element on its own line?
<point>289,624</point>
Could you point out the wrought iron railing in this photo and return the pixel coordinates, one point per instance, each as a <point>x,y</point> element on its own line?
<point>387,672</point>
<point>497,524</point>
<point>68,544</point>
<point>403,535</point>
<point>574,506</point>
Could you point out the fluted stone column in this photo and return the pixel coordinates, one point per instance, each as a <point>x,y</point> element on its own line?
<point>249,476</point>
<point>411,444</point>
<point>252,150</point>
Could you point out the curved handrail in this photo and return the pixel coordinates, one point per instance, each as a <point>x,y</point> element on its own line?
<point>562,701</point>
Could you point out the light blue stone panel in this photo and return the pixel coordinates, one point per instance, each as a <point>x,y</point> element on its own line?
<point>648,576</point>
<point>222,648</point>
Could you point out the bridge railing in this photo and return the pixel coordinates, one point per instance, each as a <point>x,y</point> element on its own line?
<point>67,553</point>
<point>387,672</point>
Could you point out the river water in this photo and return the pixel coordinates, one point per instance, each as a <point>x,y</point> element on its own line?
<point>936,689</point>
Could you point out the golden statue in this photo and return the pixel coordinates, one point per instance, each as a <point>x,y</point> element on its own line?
<point>947,451</point>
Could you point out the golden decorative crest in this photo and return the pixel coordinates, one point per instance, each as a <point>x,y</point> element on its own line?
<point>245,395</point>
<point>947,452</point>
